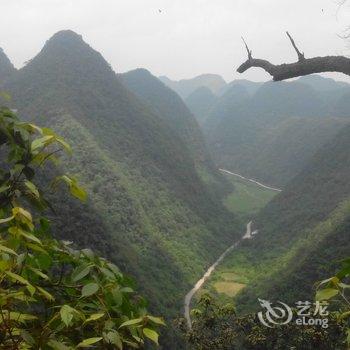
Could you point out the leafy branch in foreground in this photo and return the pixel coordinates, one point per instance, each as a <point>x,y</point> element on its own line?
<point>337,290</point>
<point>51,295</point>
<point>216,326</point>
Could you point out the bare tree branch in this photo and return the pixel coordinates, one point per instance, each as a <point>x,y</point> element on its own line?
<point>304,66</point>
<point>247,48</point>
<point>301,56</point>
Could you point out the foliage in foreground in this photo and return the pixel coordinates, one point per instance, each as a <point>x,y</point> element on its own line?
<point>218,327</point>
<point>336,290</point>
<point>52,296</point>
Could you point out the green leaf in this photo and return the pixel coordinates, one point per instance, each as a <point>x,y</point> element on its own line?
<point>89,289</point>
<point>18,317</point>
<point>87,342</point>
<point>29,236</point>
<point>113,337</point>
<point>326,294</point>
<point>3,221</point>
<point>65,145</point>
<point>31,289</point>
<point>32,188</point>
<point>78,192</point>
<point>17,278</point>
<point>131,322</point>
<point>46,294</point>
<point>151,334</point>
<point>156,320</point>
<point>39,273</point>
<point>67,314</point>
<point>56,345</point>
<point>7,250</point>
<point>80,272</point>
<point>94,317</point>
<point>42,142</point>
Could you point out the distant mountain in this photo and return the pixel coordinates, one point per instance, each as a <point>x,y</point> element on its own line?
<point>233,99</point>
<point>320,83</point>
<point>200,103</point>
<point>270,135</point>
<point>250,86</point>
<point>6,67</point>
<point>185,87</point>
<point>149,209</point>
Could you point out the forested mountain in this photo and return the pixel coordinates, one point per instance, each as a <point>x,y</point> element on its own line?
<point>6,67</point>
<point>148,209</point>
<point>169,106</point>
<point>271,135</point>
<point>200,103</point>
<point>303,232</point>
<point>185,87</point>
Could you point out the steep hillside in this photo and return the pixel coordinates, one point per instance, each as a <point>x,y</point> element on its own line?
<point>304,231</point>
<point>169,106</point>
<point>148,209</point>
<point>185,87</point>
<point>271,135</point>
<point>200,103</point>
<point>6,67</point>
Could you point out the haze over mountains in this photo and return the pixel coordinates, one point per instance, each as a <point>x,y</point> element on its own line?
<point>148,150</point>
<point>268,131</point>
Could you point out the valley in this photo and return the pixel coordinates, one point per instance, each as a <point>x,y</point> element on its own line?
<point>196,188</point>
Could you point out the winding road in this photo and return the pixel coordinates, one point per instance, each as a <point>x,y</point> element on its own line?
<point>251,180</point>
<point>188,298</point>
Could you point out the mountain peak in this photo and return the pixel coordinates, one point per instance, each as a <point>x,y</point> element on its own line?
<point>6,67</point>
<point>66,36</point>
<point>65,39</point>
<point>67,54</point>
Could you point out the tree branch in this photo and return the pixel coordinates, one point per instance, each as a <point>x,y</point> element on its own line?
<point>304,66</point>
<point>247,48</point>
<point>301,56</point>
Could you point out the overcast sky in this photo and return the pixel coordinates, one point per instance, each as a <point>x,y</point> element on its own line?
<point>179,38</point>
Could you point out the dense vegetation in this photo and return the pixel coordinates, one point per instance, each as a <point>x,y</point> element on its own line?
<point>219,327</point>
<point>149,211</point>
<point>51,295</point>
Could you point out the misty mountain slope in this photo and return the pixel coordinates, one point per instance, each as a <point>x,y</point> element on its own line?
<point>168,105</point>
<point>200,102</point>
<point>271,135</point>
<point>303,231</point>
<point>320,83</point>
<point>162,224</point>
<point>185,87</point>
<point>6,67</point>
